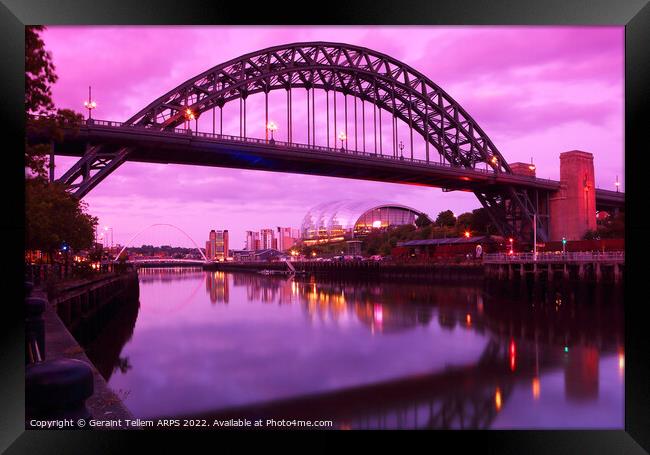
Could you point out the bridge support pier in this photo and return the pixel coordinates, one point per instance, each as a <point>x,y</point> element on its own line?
<point>566,272</point>
<point>549,272</point>
<point>522,271</point>
<point>581,271</point>
<point>511,272</point>
<point>573,206</point>
<point>598,271</point>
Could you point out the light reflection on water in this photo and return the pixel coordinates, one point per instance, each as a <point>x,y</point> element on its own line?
<point>373,354</point>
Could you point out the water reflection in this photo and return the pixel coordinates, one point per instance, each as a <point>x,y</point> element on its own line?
<point>370,354</point>
<point>216,285</point>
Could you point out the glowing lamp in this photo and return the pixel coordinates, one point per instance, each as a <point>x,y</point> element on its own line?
<point>536,388</point>
<point>497,399</point>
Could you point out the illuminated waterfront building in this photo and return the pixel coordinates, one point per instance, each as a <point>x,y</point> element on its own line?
<point>221,245</point>
<point>252,241</point>
<point>266,239</point>
<point>285,238</point>
<point>213,244</point>
<point>345,219</point>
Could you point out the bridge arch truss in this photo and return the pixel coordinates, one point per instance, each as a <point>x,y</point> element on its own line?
<point>372,77</point>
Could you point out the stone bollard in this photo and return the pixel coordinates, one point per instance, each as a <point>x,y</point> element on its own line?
<point>35,326</point>
<point>58,389</point>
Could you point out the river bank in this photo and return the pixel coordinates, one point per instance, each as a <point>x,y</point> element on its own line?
<point>78,307</point>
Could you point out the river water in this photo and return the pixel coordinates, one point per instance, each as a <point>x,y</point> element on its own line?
<point>367,353</point>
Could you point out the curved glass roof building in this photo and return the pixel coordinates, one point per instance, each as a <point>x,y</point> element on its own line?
<point>347,218</point>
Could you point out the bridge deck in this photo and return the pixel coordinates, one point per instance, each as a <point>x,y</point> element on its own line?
<point>180,146</point>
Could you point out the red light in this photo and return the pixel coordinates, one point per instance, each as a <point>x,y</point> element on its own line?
<point>513,355</point>
<point>467,234</point>
<point>378,313</point>
<point>511,239</point>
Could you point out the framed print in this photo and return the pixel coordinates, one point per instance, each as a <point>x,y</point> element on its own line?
<point>377,219</point>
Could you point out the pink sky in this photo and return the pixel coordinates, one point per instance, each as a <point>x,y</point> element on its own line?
<point>536,91</point>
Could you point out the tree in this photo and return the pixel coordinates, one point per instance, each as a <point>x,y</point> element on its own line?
<point>481,222</point>
<point>39,76</point>
<point>465,220</point>
<point>446,218</point>
<point>612,228</point>
<point>47,129</point>
<point>53,216</point>
<point>39,73</point>
<point>422,220</point>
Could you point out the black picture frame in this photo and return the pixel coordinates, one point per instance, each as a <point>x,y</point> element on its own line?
<point>633,14</point>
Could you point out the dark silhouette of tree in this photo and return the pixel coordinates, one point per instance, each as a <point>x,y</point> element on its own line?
<point>481,222</point>
<point>39,77</point>
<point>422,221</point>
<point>465,220</point>
<point>53,216</point>
<point>39,73</point>
<point>612,228</point>
<point>446,218</point>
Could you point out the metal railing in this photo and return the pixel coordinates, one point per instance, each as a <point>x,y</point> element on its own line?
<point>183,132</point>
<point>45,273</point>
<point>583,256</point>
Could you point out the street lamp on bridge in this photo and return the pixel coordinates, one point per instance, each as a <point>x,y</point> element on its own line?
<point>342,137</point>
<point>271,126</point>
<point>401,150</point>
<point>618,184</point>
<point>90,104</point>
<point>189,115</point>
<point>495,162</point>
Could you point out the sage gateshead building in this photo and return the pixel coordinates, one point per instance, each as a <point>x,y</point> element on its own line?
<point>345,219</point>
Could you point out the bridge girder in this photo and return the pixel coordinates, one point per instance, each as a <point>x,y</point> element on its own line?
<point>371,76</point>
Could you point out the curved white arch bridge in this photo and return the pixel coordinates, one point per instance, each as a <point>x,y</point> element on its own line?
<point>127,244</point>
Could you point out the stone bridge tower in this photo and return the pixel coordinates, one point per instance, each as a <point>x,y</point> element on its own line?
<point>573,207</point>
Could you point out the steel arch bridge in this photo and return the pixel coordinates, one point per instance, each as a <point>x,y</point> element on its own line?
<point>387,84</point>
<point>137,234</point>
